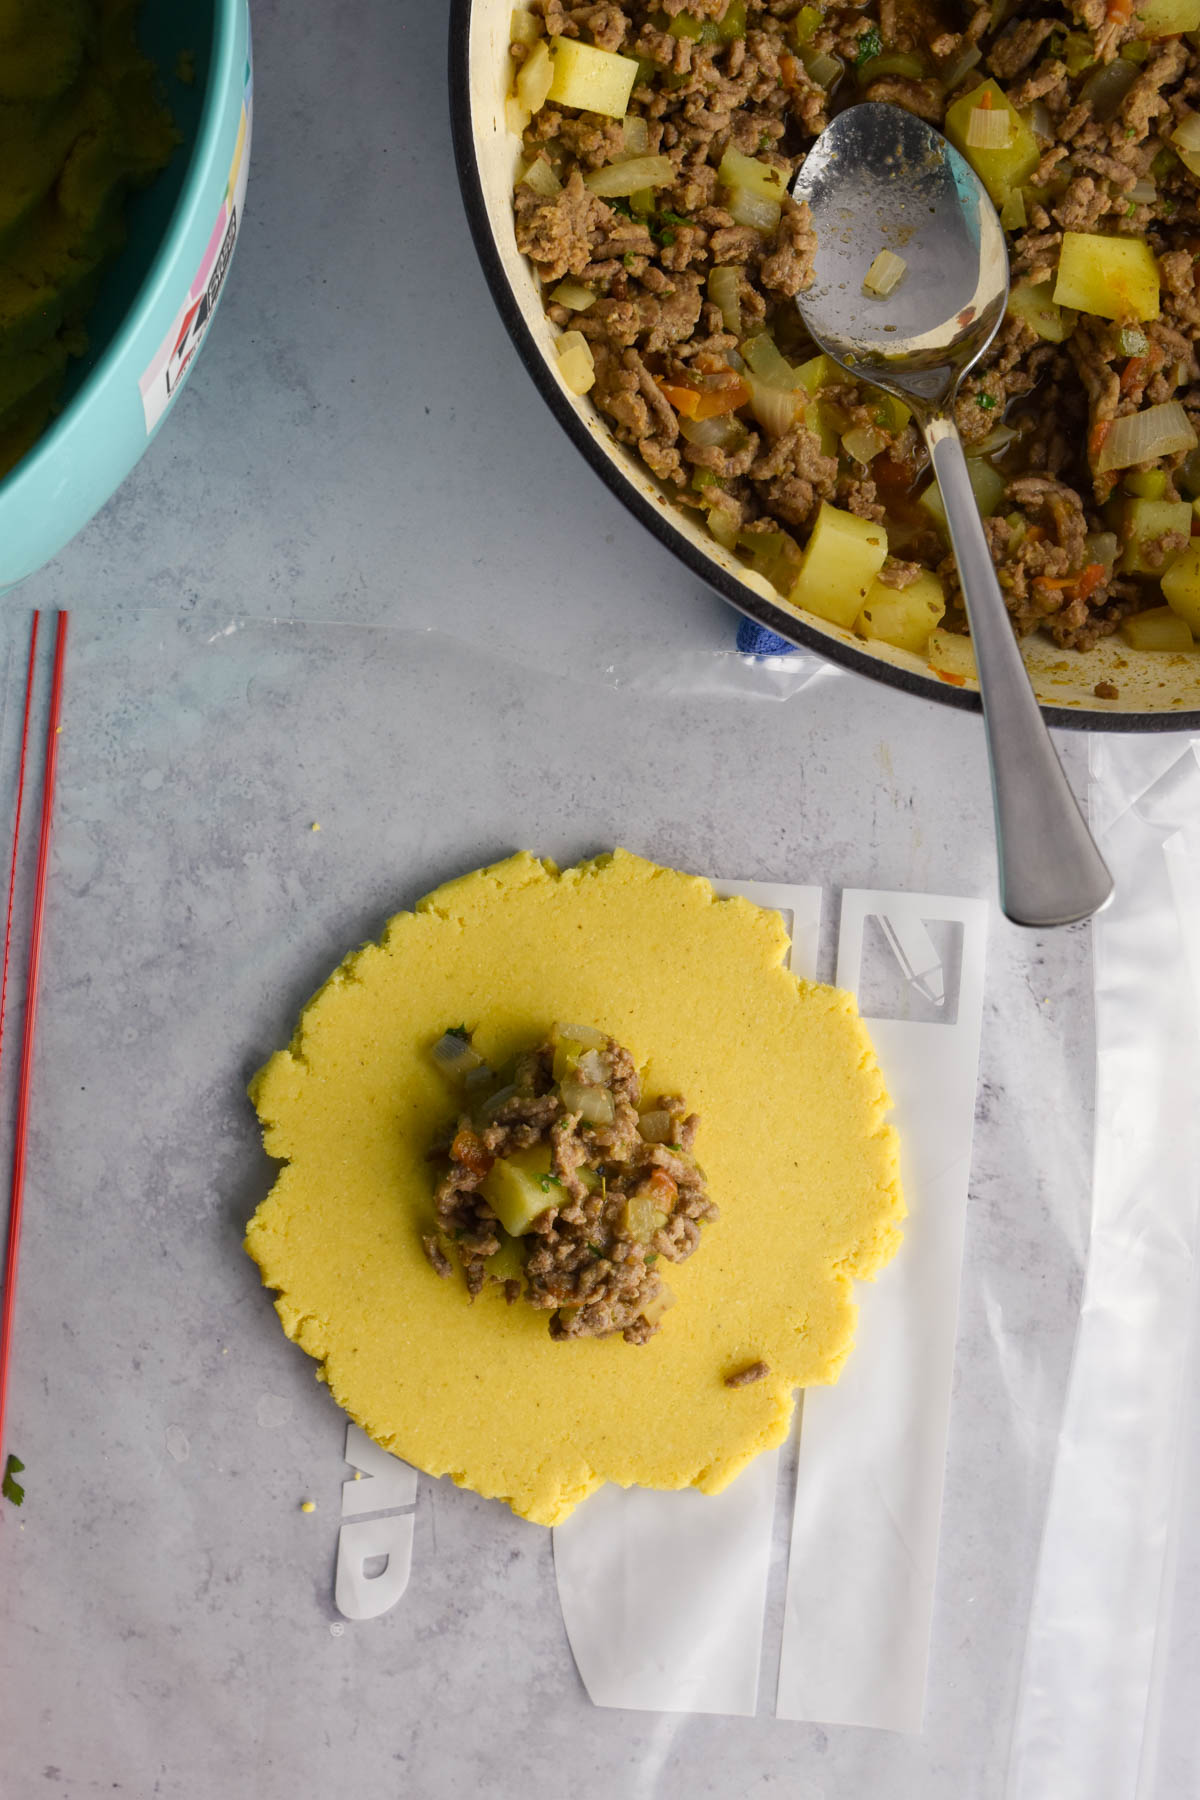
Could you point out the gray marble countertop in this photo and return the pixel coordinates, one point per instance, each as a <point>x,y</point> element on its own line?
<point>359,444</point>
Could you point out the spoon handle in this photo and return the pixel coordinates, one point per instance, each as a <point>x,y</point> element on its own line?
<point>1050,870</point>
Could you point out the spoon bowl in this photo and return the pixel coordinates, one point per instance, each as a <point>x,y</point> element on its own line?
<point>880,179</point>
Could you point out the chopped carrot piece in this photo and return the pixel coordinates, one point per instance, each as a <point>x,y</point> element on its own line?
<point>467,1150</point>
<point>1100,431</point>
<point>1134,373</point>
<point>706,403</point>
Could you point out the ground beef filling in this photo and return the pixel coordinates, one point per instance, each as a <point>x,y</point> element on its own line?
<point>765,88</point>
<point>595,1204</point>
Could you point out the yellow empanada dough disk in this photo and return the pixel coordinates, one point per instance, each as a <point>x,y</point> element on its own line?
<point>793,1138</point>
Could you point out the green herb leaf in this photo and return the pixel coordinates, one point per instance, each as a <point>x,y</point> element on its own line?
<point>595,1250</point>
<point>629,259</point>
<point>986,401</point>
<point>870,45</point>
<point>652,1258</point>
<point>546,1182</point>
<point>10,1487</point>
<point>458,1031</point>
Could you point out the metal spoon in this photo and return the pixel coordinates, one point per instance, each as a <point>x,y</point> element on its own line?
<point>878,178</point>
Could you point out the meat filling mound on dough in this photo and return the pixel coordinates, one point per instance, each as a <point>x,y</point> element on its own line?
<point>562,1189</point>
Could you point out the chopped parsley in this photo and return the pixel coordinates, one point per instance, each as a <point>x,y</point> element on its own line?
<point>1131,131</point>
<point>595,1250</point>
<point>673,218</point>
<point>458,1031</point>
<point>547,1182</point>
<point>629,259</point>
<point>986,401</point>
<point>1131,209</point>
<point>870,45</point>
<point>764,142</point>
<point>10,1487</point>
<point>652,1258</point>
<point>1168,207</point>
<point>677,1148</point>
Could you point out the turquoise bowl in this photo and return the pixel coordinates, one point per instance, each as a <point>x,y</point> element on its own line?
<point>153,310</point>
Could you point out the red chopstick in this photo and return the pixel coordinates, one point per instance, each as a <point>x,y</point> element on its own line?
<point>16,836</point>
<point>33,971</point>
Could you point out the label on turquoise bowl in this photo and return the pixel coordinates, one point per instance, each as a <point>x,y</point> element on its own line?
<point>173,359</point>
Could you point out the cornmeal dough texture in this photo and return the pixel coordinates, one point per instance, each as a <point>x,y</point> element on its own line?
<point>794,1140</point>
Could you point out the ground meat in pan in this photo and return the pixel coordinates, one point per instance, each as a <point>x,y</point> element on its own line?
<point>747,75</point>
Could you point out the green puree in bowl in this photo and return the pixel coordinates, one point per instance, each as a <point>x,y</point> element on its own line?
<point>81,123</point>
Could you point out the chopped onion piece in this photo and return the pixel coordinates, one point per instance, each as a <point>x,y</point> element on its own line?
<point>576,364</point>
<point>1133,341</point>
<point>989,128</point>
<point>1187,133</point>
<point>885,274</point>
<point>492,1106</point>
<point>524,28</point>
<point>712,434</point>
<point>636,135</point>
<point>591,1068</point>
<point>864,443</point>
<point>1143,437</point>
<point>997,439</point>
<point>777,409</point>
<point>541,178</point>
<point>455,1056</point>
<point>824,70</point>
<point>962,65</point>
<point>725,291</point>
<point>764,357</point>
<point>618,179</point>
<point>593,1104</point>
<point>573,295</point>
<point>534,77</point>
<point>1142,193</point>
<point>1102,547</point>
<point>587,1035</point>
<point>750,209</point>
<point>1039,120</point>
<point>657,1127</point>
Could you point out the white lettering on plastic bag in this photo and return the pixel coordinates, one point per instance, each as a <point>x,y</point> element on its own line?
<point>384,1481</point>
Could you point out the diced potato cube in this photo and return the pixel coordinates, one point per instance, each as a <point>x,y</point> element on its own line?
<point>1166,18</point>
<point>903,616</point>
<point>952,657</point>
<point>1181,585</point>
<point>594,80</point>
<point>1111,277</point>
<point>1143,523</point>
<point>844,555</point>
<point>1158,629</point>
<point>1002,169</point>
<point>576,364</point>
<point>518,1188</point>
<point>1147,484</point>
<point>763,179</point>
<point>1034,303</point>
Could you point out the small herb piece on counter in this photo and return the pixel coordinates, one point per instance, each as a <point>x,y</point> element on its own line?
<point>558,1180</point>
<point>10,1487</point>
<point>870,45</point>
